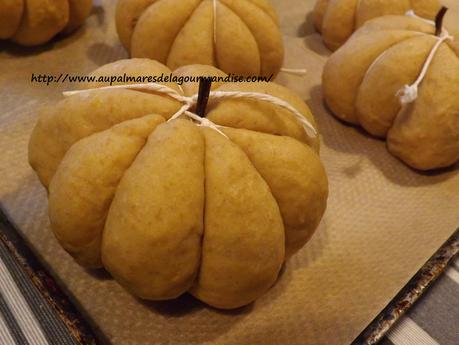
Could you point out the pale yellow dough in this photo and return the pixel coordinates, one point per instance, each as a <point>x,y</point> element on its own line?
<point>295,176</point>
<point>244,37</point>
<point>79,10</point>
<point>171,207</point>
<point>104,157</point>
<point>336,20</point>
<point>243,245</point>
<point>35,22</point>
<point>361,81</point>
<point>152,237</point>
<point>10,17</point>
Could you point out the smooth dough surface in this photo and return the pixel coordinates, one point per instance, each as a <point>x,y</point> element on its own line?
<point>41,21</point>
<point>243,245</point>
<point>426,134</point>
<point>35,22</point>
<point>78,11</point>
<point>337,20</point>
<point>85,183</point>
<point>238,36</point>
<point>10,17</point>
<point>296,178</point>
<point>152,238</point>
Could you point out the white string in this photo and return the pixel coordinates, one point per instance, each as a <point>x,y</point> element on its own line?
<point>299,72</point>
<point>308,127</point>
<point>189,102</point>
<point>409,93</point>
<point>203,122</point>
<point>215,23</point>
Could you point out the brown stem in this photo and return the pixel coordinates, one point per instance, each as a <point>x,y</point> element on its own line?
<point>203,96</point>
<point>439,20</point>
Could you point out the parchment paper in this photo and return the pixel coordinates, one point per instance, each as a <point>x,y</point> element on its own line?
<point>383,220</point>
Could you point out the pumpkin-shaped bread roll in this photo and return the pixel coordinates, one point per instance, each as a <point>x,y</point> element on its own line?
<point>237,36</point>
<point>398,78</point>
<point>169,207</point>
<point>35,22</point>
<point>336,20</point>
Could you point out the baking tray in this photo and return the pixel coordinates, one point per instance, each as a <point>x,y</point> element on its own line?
<point>80,328</point>
<point>383,221</point>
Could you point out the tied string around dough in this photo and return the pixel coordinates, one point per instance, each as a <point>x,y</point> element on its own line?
<point>294,71</point>
<point>192,101</point>
<point>409,93</point>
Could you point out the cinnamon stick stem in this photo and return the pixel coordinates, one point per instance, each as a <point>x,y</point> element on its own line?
<point>203,96</point>
<point>439,20</point>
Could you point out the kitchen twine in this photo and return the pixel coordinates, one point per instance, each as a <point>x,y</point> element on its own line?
<point>189,102</point>
<point>409,93</point>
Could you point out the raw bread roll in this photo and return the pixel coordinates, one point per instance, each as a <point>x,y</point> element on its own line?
<point>169,207</point>
<point>35,22</point>
<point>363,81</point>
<point>243,38</point>
<point>336,20</point>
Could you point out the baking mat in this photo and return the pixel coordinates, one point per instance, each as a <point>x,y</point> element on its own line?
<point>382,224</point>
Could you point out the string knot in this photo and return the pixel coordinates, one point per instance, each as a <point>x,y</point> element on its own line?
<point>408,94</point>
